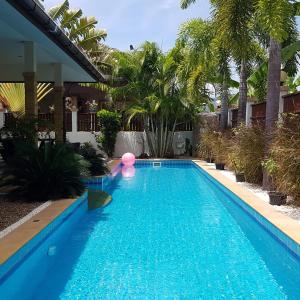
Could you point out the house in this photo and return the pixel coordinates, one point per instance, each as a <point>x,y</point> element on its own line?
<point>34,49</point>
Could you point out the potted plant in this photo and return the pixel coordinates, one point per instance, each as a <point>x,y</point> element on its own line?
<point>238,167</point>
<point>219,150</point>
<point>275,196</point>
<point>205,146</point>
<point>286,153</point>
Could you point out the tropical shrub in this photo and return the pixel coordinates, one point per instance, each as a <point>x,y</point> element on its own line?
<point>49,172</point>
<point>286,154</point>
<point>249,150</point>
<point>20,129</point>
<point>97,162</point>
<point>17,131</point>
<point>110,124</point>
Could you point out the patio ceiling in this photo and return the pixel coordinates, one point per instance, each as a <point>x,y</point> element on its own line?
<point>24,20</point>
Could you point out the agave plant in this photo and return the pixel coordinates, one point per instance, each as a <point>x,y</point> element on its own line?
<point>48,172</point>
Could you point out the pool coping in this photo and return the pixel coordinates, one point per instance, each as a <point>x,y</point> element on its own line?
<point>11,243</point>
<point>287,225</point>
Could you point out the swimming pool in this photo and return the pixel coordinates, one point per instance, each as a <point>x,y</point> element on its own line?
<point>169,233</point>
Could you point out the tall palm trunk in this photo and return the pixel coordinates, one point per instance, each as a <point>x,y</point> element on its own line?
<point>273,95</point>
<point>243,90</point>
<point>224,107</point>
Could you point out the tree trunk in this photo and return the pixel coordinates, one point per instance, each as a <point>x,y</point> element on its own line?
<point>273,95</point>
<point>224,107</point>
<point>243,90</point>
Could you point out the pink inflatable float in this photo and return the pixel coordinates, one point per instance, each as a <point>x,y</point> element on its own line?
<point>128,159</point>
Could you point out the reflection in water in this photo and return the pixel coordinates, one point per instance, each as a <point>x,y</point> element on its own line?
<point>128,171</point>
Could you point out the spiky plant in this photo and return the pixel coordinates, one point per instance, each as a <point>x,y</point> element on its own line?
<point>48,172</point>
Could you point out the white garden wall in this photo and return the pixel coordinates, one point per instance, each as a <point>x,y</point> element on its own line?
<point>130,141</point>
<point>82,137</point>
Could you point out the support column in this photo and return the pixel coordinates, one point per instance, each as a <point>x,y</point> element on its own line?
<point>30,80</point>
<point>2,120</point>
<point>31,109</point>
<point>59,112</point>
<point>74,121</point>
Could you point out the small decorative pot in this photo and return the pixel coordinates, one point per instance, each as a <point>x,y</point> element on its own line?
<point>276,198</point>
<point>220,166</point>
<point>240,177</point>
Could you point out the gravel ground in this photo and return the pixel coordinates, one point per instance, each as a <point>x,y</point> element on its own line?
<point>290,209</point>
<point>12,211</point>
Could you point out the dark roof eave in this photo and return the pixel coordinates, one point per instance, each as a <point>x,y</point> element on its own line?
<point>37,16</point>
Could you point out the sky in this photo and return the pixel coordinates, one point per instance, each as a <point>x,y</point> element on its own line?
<point>131,22</point>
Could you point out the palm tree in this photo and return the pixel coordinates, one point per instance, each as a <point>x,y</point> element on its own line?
<point>208,60</point>
<point>232,20</point>
<point>83,32</point>
<point>154,92</point>
<point>276,18</point>
<point>14,94</point>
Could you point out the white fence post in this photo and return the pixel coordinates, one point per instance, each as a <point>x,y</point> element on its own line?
<point>74,121</point>
<point>248,113</point>
<point>284,90</point>
<point>2,118</point>
<point>229,121</point>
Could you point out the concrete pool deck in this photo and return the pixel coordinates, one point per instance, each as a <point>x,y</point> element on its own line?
<point>16,239</point>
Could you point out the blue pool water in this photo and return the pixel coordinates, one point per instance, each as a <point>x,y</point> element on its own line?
<point>169,233</point>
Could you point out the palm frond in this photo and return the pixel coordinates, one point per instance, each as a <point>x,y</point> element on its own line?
<point>57,11</point>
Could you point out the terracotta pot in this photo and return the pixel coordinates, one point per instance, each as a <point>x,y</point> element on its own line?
<point>220,166</point>
<point>276,198</point>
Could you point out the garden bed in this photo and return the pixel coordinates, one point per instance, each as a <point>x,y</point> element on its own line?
<point>11,211</point>
<point>290,209</point>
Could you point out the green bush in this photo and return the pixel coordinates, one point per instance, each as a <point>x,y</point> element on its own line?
<point>110,124</point>
<point>48,172</point>
<point>97,162</point>
<point>286,155</point>
<point>18,131</point>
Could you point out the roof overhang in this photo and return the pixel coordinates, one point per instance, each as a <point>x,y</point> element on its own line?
<point>24,20</point>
